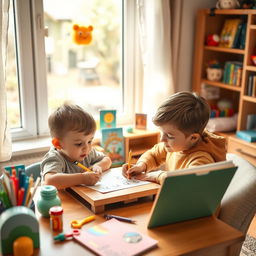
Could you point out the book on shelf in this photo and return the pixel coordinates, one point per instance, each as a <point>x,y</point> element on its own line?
<point>251,122</point>
<point>232,73</point>
<point>243,36</point>
<point>114,237</point>
<point>237,39</point>
<point>191,193</point>
<point>228,32</point>
<point>251,86</point>
<point>113,143</point>
<point>247,135</point>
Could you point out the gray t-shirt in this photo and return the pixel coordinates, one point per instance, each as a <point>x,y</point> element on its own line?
<point>53,161</point>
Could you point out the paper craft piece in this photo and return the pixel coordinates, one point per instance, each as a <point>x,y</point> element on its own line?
<point>113,237</point>
<point>141,121</point>
<point>107,119</point>
<point>113,180</point>
<point>113,144</point>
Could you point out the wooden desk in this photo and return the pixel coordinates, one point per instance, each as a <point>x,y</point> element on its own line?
<point>205,236</point>
<point>98,201</point>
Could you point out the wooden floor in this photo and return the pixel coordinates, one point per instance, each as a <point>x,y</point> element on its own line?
<point>252,228</point>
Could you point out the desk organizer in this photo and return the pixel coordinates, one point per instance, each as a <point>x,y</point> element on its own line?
<point>16,222</point>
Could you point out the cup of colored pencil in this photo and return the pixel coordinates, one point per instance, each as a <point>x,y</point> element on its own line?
<point>16,188</point>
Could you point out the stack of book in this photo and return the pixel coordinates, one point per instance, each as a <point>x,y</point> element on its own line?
<point>232,73</point>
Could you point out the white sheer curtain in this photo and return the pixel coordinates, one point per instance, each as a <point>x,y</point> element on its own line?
<point>5,138</point>
<point>155,41</point>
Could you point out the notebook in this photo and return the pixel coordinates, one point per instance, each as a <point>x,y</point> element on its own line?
<point>116,238</point>
<point>191,193</point>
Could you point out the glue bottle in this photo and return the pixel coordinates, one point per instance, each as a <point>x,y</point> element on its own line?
<point>48,198</point>
<point>56,221</point>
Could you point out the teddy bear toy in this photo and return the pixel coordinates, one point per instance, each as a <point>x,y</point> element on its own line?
<point>227,4</point>
<point>82,35</point>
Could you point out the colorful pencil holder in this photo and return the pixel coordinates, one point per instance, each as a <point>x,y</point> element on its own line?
<point>17,222</point>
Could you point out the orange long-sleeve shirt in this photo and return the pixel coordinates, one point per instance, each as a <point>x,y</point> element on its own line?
<point>210,149</point>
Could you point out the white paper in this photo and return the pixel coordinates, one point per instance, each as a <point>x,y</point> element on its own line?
<point>113,180</point>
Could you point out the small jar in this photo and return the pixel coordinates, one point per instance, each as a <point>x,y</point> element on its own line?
<point>48,198</point>
<point>56,221</point>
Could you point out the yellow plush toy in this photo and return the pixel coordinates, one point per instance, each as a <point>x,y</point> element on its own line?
<point>82,35</point>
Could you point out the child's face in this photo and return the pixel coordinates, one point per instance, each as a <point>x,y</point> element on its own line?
<point>76,146</point>
<point>175,140</point>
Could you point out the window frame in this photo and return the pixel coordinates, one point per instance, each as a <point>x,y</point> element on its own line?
<point>25,70</point>
<point>31,57</point>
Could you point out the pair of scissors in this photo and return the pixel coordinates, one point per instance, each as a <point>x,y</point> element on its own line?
<point>63,237</point>
<point>80,223</point>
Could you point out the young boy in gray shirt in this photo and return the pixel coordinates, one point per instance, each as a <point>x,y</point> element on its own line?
<point>72,130</point>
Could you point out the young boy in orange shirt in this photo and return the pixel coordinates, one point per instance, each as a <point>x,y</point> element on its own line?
<point>184,141</point>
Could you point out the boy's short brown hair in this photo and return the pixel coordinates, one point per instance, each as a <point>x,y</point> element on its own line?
<point>187,111</point>
<point>70,118</point>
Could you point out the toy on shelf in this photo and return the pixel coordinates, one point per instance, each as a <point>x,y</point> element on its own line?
<point>248,4</point>
<point>224,108</point>
<point>253,58</point>
<point>227,4</point>
<point>214,71</point>
<point>213,40</point>
<point>82,35</point>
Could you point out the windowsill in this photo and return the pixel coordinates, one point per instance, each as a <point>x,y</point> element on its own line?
<point>29,146</point>
<point>37,145</point>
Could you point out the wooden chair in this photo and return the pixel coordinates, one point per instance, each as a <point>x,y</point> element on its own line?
<point>238,205</point>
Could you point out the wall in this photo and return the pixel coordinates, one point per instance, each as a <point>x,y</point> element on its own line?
<point>187,40</point>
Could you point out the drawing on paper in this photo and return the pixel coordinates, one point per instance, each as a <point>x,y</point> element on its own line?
<point>113,180</point>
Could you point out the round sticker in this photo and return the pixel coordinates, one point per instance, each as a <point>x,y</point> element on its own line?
<point>108,118</point>
<point>132,237</point>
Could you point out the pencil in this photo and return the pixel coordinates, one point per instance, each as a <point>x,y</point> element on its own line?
<point>129,159</point>
<point>82,166</point>
<point>34,191</point>
<point>109,216</point>
<point>30,184</point>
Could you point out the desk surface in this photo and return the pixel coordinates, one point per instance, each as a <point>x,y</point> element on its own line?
<point>196,237</point>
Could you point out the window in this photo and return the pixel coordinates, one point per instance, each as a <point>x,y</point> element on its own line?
<point>13,100</point>
<point>52,69</point>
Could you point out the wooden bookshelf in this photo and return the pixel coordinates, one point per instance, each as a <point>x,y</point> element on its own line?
<point>242,103</point>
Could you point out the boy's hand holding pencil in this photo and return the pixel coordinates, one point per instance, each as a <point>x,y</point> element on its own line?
<point>130,170</point>
<point>90,176</point>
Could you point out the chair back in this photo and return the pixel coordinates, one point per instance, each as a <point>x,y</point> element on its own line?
<point>33,169</point>
<point>238,205</point>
